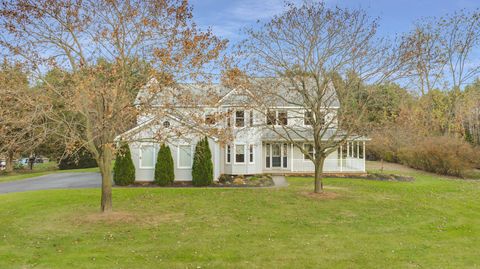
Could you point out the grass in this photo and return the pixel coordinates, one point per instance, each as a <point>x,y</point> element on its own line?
<point>40,170</point>
<point>429,223</point>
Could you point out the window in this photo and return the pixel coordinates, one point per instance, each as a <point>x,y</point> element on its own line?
<point>308,148</point>
<point>166,124</point>
<point>210,119</point>
<point>285,155</point>
<point>267,155</point>
<point>228,154</point>
<point>355,149</point>
<point>229,118</point>
<point>147,156</point>
<point>239,118</point>
<point>360,150</point>
<point>251,117</point>
<point>184,156</point>
<point>250,151</point>
<point>322,121</point>
<point>271,117</point>
<point>275,117</point>
<point>239,153</point>
<point>345,150</point>
<point>339,156</point>
<point>282,118</point>
<point>308,118</point>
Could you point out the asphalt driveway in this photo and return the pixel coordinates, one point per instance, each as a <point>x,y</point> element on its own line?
<point>53,181</point>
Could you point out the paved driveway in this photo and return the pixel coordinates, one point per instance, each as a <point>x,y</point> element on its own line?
<point>53,181</point>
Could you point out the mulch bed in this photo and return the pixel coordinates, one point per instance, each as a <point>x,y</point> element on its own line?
<point>224,181</point>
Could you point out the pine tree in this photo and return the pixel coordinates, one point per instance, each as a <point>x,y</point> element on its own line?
<point>202,168</point>
<point>164,170</point>
<point>124,170</point>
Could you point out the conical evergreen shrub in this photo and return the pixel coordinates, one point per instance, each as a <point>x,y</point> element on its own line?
<point>202,168</point>
<point>164,170</point>
<point>124,170</point>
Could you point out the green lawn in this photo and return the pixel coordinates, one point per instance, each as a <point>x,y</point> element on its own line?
<point>40,170</point>
<point>429,223</point>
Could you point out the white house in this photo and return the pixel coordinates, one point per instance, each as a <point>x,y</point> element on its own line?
<point>255,148</point>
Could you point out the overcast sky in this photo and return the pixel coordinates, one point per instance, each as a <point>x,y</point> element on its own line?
<point>226,17</point>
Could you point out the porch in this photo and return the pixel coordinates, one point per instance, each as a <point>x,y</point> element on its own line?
<point>282,158</point>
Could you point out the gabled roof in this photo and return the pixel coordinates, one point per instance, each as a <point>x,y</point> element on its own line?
<point>183,94</point>
<point>277,92</point>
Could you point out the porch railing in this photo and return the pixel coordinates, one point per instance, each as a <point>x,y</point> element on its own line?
<point>331,165</point>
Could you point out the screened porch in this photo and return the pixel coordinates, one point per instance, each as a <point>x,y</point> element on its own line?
<point>284,157</point>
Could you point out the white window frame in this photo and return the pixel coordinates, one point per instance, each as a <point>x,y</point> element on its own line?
<point>251,151</point>
<point>235,153</point>
<point>235,118</point>
<point>228,153</point>
<point>277,119</point>
<point>304,118</point>
<point>274,120</point>
<point>178,156</point>
<point>303,154</point>
<point>141,154</point>
<point>229,118</point>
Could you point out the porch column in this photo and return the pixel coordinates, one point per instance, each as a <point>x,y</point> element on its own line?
<point>357,144</point>
<point>341,158</point>
<point>364,157</point>
<point>291,159</point>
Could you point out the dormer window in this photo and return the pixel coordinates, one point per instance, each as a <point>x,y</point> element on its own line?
<point>239,118</point>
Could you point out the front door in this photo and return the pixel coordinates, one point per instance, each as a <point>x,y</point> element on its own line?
<point>276,155</point>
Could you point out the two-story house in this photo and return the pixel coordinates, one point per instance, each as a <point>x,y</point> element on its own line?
<point>255,147</point>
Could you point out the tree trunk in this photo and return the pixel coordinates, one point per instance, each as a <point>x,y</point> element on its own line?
<point>9,162</point>
<point>318,175</point>
<point>105,165</point>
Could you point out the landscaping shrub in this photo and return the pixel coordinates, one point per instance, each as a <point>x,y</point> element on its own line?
<point>442,155</point>
<point>164,168</point>
<point>124,170</point>
<point>202,168</point>
<point>445,155</point>
<point>81,159</point>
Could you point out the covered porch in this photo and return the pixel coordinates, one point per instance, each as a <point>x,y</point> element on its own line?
<point>281,157</point>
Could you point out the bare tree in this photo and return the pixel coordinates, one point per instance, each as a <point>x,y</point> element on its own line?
<point>317,60</point>
<point>99,44</point>
<point>443,51</point>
